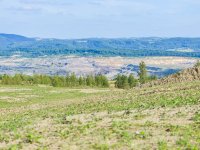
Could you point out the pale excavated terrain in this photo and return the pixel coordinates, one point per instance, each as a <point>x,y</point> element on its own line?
<point>110,66</point>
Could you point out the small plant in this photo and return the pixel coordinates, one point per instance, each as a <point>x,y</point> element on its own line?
<point>162,145</point>
<point>139,116</point>
<point>100,147</point>
<point>64,134</point>
<point>32,138</point>
<point>149,124</point>
<point>126,136</point>
<point>15,147</point>
<point>197,116</point>
<point>140,135</point>
<point>182,142</point>
<point>4,138</point>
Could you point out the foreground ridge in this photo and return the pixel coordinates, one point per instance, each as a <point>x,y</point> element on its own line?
<point>190,74</point>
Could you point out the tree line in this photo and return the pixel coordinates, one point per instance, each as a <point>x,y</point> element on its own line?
<point>56,81</point>
<point>121,81</point>
<point>126,82</point>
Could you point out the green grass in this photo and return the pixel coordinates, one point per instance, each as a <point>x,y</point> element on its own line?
<point>103,119</point>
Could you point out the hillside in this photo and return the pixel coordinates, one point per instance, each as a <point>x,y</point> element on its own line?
<point>186,75</point>
<point>127,47</point>
<point>11,38</point>
<point>42,117</point>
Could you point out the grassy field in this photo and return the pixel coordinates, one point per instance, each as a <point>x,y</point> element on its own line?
<point>41,117</point>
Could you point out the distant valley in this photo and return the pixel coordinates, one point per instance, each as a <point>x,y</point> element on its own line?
<point>163,56</point>
<point>109,66</point>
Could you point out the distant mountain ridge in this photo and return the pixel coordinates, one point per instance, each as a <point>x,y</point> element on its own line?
<point>11,44</point>
<point>14,37</point>
<point>7,39</point>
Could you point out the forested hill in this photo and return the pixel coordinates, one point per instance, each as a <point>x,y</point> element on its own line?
<point>32,47</point>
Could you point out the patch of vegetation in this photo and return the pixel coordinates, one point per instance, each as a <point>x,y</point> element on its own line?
<point>56,81</point>
<point>42,116</point>
<point>162,145</point>
<point>32,138</point>
<point>197,116</point>
<point>126,82</point>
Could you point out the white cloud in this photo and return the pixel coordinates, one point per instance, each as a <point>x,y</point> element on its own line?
<point>100,17</point>
<point>79,7</point>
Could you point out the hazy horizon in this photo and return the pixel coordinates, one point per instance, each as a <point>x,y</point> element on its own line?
<point>98,37</point>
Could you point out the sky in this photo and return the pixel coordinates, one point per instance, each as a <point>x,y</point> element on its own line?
<point>67,19</point>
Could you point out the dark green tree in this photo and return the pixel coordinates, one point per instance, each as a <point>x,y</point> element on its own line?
<point>90,81</point>
<point>45,79</point>
<point>73,80</point>
<point>6,79</point>
<point>132,81</point>
<point>125,84</point>
<point>119,83</point>
<point>98,81</point>
<point>103,81</point>
<point>81,81</point>
<point>67,81</point>
<point>152,77</point>
<point>142,74</point>
<point>36,79</point>
<point>17,79</point>
<point>58,81</point>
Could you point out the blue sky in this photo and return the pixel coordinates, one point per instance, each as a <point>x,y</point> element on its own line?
<point>100,18</point>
